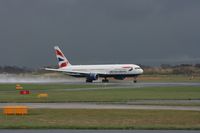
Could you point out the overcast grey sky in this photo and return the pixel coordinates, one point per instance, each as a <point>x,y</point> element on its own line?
<point>147,32</point>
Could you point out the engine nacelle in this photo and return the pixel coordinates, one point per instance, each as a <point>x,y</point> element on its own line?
<point>92,76</point>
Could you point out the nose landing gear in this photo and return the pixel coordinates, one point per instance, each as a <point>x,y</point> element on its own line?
<point>135,80</point>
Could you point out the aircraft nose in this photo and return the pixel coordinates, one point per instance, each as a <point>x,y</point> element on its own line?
<point>141,71</point>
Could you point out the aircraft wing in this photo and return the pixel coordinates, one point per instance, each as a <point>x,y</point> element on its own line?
<point>74,72</point>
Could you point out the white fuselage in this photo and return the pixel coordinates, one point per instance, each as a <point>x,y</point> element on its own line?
<point>115,69</point>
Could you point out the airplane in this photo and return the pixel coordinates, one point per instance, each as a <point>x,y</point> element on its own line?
<point>93,72</point>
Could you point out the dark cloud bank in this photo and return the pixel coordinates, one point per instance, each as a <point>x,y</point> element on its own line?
<point>147,32</point>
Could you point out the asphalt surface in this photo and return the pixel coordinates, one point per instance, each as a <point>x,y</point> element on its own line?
<point>122,85</point>
<point>139,84</point>
<point>98,131</point>
<point>99,106</point>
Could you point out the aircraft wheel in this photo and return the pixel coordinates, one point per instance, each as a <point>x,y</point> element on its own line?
<point>88,81</point>
<point>105,80</point>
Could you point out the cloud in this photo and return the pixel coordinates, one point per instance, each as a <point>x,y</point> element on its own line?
<point>93,31</point>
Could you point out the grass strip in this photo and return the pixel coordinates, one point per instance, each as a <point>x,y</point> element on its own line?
<point>58,94</point>
<point>102,119</point>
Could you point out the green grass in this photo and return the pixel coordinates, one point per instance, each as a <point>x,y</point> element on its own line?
<point>57,93</point>
<point>102,119</point>
<point>43,87</point>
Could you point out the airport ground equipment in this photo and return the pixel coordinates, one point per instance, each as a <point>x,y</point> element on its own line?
<point>42,95</point>
<point>15,110</point>
<point>19,87</point>
<point>24,92</point>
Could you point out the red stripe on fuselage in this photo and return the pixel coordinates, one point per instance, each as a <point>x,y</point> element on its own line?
<point>127,67</point>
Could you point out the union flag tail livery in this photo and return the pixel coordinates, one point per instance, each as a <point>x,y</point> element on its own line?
<point>93,72</point>
<point>62,60</point>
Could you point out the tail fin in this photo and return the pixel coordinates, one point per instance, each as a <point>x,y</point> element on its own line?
<point>62,60</point>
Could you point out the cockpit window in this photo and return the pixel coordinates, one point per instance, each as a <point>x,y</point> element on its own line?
<point>137,68</point>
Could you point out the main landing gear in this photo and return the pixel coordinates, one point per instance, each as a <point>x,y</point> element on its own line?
<point>89,81</point>
<point>135,80</point>
<point>105,80</point>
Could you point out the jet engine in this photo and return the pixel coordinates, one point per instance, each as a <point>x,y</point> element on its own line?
<point>92,76</point>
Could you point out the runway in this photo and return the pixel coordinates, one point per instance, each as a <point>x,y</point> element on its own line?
<point>99,106</point>
<point>122,85</point>
<point>42,79</point>
<point>138,84</point>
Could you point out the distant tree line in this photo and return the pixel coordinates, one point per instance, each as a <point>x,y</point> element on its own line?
<point>186,69</point>
<point>14,69</point>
